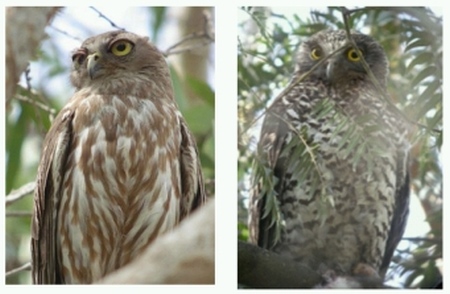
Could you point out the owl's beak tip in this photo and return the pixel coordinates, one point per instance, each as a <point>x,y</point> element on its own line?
<point>329,70</point>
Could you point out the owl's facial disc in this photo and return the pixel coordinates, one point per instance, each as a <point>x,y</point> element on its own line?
<point>93,64</point>
<point>344,67</point>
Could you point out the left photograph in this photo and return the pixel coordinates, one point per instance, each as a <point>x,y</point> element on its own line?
<point>109,132</point>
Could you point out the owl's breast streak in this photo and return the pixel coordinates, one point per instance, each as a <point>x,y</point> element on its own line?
<point>113,194</point>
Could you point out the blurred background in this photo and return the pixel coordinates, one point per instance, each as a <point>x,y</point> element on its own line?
<point>268,38</point>
<point>184,35</point>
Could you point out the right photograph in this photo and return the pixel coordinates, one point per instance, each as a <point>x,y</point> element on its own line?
<point>340,129</point>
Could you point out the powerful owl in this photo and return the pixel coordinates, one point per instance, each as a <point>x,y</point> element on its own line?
<point>119,166</point>
<point>331,186</point>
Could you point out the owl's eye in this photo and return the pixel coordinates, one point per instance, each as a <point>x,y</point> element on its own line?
<point>121,47</point>
<point>352,55</point>
<point>316,54</point>
<point>78,58</point>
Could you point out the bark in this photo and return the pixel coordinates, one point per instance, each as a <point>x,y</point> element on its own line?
<point>260,268</point>
<point>184,256</point>
<point>24,32</point>
<point>194,63</point>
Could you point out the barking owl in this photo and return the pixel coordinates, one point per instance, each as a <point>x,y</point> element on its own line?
<point>331,185</point>
<point>119,165</point>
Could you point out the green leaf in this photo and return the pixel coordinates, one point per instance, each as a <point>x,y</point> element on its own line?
<point>436,120</point>
<point>15,136</point>
<point>178,89</point>
<point>159,15</point>
<point>352,144</point>
<point>343,123</point>
<point>422,58</point>
<point>202,90</point>
<point>417,43</point>
<point>371,129</point>
<point>429,99</point>
<point>429,71</point>
<point>348,133</point>
<point>200,118</point>
<point>207,157</point>
<point>363,119</point>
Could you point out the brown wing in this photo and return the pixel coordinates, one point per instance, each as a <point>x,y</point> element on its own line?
<point>272,139</point>
<point>45,264</point>
<point>193,191</point>
<point>401,212</point>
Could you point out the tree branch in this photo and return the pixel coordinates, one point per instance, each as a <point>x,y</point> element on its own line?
<point>101,15</point>
<point>194,40</point>
<point>18,194</point>
<point>18,214</point>
<point>36,103</point>
<point>24,33</point>
<point>184,256</point>
<point>260,268</point>
<point>24,267</point>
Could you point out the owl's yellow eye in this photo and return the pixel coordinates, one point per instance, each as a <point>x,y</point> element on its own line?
<point>352,55</point>
<point>316,54</point>
<point>121,47</point>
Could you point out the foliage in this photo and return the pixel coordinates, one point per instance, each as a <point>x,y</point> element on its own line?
<point>412,39</point>
<point>29,115</point>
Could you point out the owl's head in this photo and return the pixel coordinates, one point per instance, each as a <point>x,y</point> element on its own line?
<point>117,59</point>
<point>344,67</point>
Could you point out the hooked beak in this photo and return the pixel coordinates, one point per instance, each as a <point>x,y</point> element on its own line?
<point>330,69</point>
<point>93,65</point>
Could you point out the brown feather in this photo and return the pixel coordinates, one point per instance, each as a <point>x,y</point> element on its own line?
<point>56,146</point>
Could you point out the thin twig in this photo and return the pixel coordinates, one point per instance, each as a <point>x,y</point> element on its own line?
<point>422,239</point>
<point>36,103</point>
<point>350,11</point>
<point>187,49</point>
<point>18,194</point>
<point>66,33</point>
<point>101,15</point>
<point>207,36</point>
<point>18,214</point>
<point>25,267</point>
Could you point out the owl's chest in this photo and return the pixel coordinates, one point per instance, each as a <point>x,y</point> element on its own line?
<point>127,144</point>
<point>340,175</point>
<point>122,183</point>
<point>128,129</point>
<point>340,149</point>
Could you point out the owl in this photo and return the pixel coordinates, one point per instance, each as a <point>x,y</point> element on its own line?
<point>119,166</point>
<point>330,186</point>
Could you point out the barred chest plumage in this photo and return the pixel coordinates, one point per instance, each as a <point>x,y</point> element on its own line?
<point>338,212</point>
<point>124,190</point>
